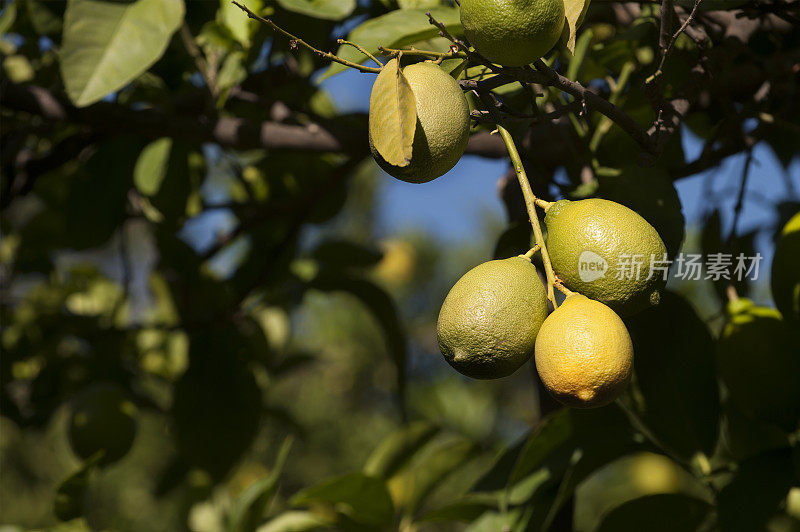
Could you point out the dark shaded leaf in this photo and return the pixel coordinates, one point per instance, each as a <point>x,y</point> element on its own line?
<point>666,512</point>
<point>248,508</point>
<point>676,376</point>
<point>68,503</point>
<point>755,492</point>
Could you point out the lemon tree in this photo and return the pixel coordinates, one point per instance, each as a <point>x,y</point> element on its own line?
<point>192,208</point>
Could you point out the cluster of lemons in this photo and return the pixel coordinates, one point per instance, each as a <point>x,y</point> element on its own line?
<point>496,315</point>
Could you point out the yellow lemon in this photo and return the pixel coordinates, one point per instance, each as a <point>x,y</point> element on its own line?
<point>584,353</point>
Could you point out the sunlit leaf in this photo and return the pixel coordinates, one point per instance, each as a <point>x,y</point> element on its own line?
<point>324,9</point>
<point>395,29</point>
<point>575,10</point>
<point>393,115</point>
<point>108,44</point>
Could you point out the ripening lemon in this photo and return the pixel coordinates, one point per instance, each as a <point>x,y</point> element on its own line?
<point>103,418</point>
<point>785,278</point>
<point>489,321</point>
<point>512,32</point>
<point>607,252</point>
<point>584,353</point>
<point>442,128</point>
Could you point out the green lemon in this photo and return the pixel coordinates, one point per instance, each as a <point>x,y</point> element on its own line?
<point>512,32</point>
<point>442,128</point>
<point>584,354</point>
<point>103,418</point>
<point>605,251</point>
<point>758,358</point>
<point>489,321</point>
<point>785,278</point>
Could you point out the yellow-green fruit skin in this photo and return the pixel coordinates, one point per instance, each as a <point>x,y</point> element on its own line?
<point>442,128</point>
<point>512,32</point>
<point>489,321</point>
<point>584,354</point>
<point>590,237</point>
<point>785,277</point>
<point>103,418</point>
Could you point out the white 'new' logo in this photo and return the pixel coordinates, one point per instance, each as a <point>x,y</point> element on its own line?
<point>591,266</point>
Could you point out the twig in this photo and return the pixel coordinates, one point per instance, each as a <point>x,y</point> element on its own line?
<point>628,124</point>
<point>298,41</point>
<point>677,34</point>
<point>360,49</point>
<point>209,75</point>
<point>423,53</point>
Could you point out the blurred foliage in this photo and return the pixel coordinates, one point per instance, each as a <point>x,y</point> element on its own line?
<point>272,348</point>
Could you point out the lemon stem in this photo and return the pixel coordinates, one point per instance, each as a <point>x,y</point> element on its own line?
<point>527,194</point>
<point>531,252</point>
<point>542,204</point>
<point>564,290</point>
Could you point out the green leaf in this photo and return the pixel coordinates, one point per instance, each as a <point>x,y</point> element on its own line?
<point>395,29</point>
<point>398,448</point>
<point>468,509</point>
<point>324,9</point>
<point>43,19</point>
<point>8,17</point>
<point>393,115</point>
<point>575,10</point>
<point>676,375</point>
<point>756,491</point>
<point>151,166</point>
<point>666,512</point>
<point>294,521</point>
<point>68,503</point>
<point>360,497</point>
<point>431,467</point>
<point>106,45</point>
<point>248,509</point>
<point>241,26</point>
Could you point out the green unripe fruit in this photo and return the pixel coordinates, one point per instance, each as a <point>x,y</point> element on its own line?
<point>489,321</point>
<point>103,418</point>
<point>604,251</point>
<point>512,32</point>
<point>442,129</point>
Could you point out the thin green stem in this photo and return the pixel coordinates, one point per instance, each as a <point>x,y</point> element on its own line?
<point>413,52</point>
<point>605,122</point>
<point>298,41</point>
<point>360,49</point>
<point>527,194</point>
